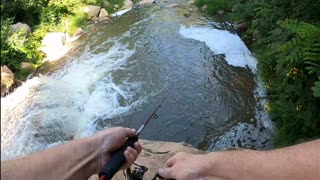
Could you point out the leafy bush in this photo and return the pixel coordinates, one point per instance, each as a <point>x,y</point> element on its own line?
<point>77,21</point>
<point>288,52</point>
<point>215,5</point>
<point>9,56</point>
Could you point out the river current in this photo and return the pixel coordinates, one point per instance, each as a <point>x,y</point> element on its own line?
<point>119,73</point>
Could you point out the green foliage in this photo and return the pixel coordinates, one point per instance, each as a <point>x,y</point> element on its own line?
<point>285,36</point>
<point>215,5</point>
<point>9,56</point>
<point>77,21</point>
<point>42,16</point>
<point>316,88</point>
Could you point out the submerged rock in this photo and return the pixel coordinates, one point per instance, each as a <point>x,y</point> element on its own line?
<point>173,5</point>
<point>154,156</point>
<point>7,80</point>
<point>187,14</point>
<point>103,19</point>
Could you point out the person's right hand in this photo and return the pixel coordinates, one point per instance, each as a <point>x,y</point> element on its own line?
<point>186,166</point>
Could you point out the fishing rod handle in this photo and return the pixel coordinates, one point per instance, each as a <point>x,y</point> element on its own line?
<point>117,159</point>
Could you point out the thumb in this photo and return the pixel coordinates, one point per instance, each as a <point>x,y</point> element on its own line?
<point>166,173</point>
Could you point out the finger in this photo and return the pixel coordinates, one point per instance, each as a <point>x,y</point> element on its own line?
<point>129,160</point>
<point>166,173</point>
<point>138,147</point>
<point>130,132</point>
<point>171,161</point>
<point>133,152</point>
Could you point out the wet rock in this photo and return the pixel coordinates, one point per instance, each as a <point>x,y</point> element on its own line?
<point>154,156</point>
<point>27,66</point>
<point>55,45</point>
<point>241,27</point>
<point>92,10</point>
<point>173,5</point>
<point>7,80</point>
<point>53,39</point>
<point>21,27</point>
<point>147,2</point>
<point>204,7</point>
<point>103,19</point>
<point>78,32</point>
<point>220,12</point>
<point>128,4</point>
<point>191,2</point>
<point>17,83</point>
<point>103,13</point>
<point>187,14</point>
<point>191,10</point>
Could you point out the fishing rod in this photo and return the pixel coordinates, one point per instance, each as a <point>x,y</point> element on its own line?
<point>117,157</point>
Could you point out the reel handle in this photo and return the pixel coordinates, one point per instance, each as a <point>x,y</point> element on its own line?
<point>117,159</point>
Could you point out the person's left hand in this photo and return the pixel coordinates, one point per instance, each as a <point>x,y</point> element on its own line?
<point>112,139</point>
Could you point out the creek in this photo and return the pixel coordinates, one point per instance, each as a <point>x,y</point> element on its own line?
<point>120,72</point>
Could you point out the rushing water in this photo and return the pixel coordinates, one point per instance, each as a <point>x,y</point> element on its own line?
<point>122,70</point>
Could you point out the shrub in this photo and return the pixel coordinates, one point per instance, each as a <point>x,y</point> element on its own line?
<point>215,5</point>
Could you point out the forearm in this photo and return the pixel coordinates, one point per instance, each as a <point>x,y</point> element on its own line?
<point>74,160</point>
<point>297,162</point>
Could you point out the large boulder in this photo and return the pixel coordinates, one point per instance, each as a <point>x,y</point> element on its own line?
<point>7,80</point>
<point>128,4</point>
<point>241,27</point>
<point>21,27</point>
<point>103,13</point>
<point>92,10</point>
<point>146,2</point>
<point>204,7</point>
<point>154,156</point>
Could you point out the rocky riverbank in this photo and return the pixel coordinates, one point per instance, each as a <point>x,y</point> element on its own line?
<point>55,45</point>
<point>154,156</point>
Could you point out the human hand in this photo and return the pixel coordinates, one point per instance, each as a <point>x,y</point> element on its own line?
<point>112,139</point>
<point>186,166</point>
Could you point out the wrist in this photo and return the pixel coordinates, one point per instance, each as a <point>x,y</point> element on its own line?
<point>93,156</point>
<point>236,164</point>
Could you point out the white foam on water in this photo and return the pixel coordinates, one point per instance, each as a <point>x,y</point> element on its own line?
<point>120,13</point>
<point>237,54</point>
<point>222,42</point>
<point>49,110</point>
